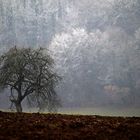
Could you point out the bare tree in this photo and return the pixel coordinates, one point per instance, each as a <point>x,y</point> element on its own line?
<point>28,74</point>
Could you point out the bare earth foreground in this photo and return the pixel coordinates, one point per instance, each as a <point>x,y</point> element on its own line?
<point>35,126</point>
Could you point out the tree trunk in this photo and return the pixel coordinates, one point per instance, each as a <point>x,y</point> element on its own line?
<point>18,107</point>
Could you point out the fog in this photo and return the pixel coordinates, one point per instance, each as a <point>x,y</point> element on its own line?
<point>95,45</point>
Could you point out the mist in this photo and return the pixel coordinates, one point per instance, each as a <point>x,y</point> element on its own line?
<point>95,46</point>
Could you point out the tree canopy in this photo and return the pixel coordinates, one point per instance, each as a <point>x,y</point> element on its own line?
<point>29,74</point>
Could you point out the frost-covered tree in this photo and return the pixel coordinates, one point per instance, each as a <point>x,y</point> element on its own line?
<point>91,61</point>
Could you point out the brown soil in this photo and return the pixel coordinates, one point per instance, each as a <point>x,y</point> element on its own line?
<point>35,126</point>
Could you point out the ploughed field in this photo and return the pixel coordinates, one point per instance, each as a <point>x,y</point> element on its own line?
<point>35,126</point>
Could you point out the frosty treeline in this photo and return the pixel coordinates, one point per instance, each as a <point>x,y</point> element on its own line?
<point>95,44</point>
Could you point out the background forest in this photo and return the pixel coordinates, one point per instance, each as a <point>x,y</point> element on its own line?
<point>95,45</point>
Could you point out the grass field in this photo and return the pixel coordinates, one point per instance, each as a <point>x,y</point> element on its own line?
<point>35,126</point>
